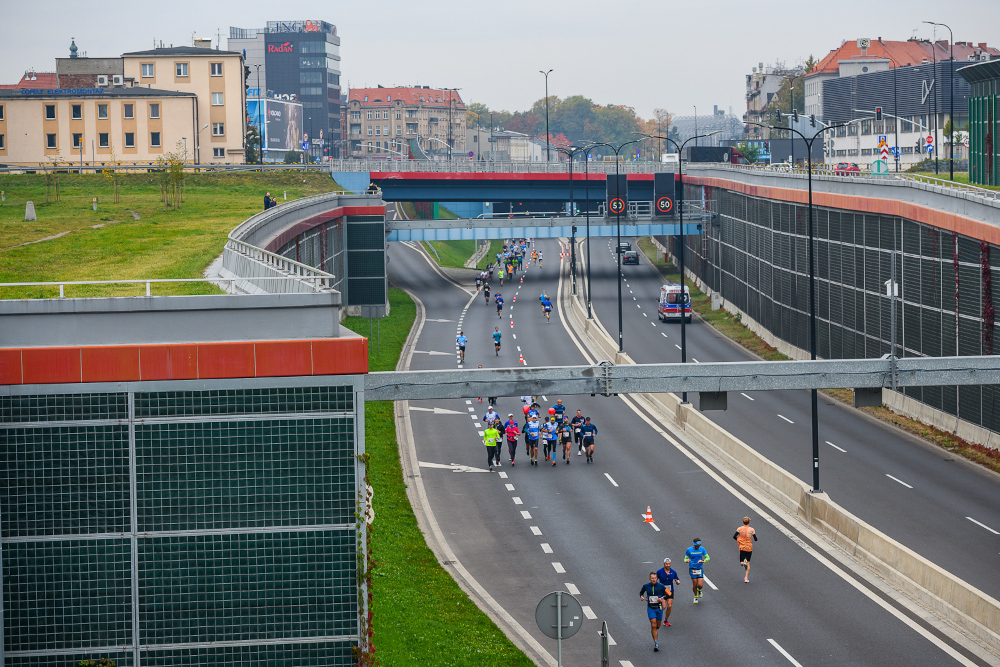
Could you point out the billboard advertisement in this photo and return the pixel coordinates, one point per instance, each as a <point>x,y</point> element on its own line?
<point>281,120</point>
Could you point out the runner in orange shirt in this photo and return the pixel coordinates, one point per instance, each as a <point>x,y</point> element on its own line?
<point>745,536</point>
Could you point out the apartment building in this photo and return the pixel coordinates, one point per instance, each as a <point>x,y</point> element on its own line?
<point>419,122</point>
<point>216,78</point>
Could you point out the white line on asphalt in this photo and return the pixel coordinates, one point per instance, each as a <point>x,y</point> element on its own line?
<point>611,641</point>
<point>695,360</point>
<point>589,613</point>
<point>545,398</point>
<point>515,336</point>
<point>471,409</point>
<point>784,653</point>
<point>896,479</point>
<point>558,567</point>
<point>638,306</point>
<point>710,584</point>
<point>478,425</point>
<point>786,419</point>
<point>633,298</point>
<point>613,482</point>
<point>655,527</point>
<point>677,346</point>
<point>502,474</point>
<point>517,501</point>
<point>626,663</point>
<point>572,589</point>
<point>525,514</point>
<point>982,525</point>
<point>510,487</point>
<point>664,335</point>
<point>468,402</point>
<point>535,530</point>
<point>750,397</point>
<point>645,315</point>
<point>841,449</point>
<point>518,348</point>
<point>546,548</point>
<point>481,433</point>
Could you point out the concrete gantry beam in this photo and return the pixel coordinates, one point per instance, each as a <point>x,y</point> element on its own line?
<point>503,227</point>
<point>607,378</point>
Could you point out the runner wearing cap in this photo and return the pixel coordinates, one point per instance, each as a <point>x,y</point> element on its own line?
<point>667,576</point>
<point>696,557</point>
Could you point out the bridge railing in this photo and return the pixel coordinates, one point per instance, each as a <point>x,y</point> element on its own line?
<point>465,165</point>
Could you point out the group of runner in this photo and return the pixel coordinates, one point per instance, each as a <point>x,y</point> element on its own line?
<point>658,594</point>
<point>557,432</point>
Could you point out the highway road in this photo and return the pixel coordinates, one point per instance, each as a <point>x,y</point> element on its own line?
<point>523,531</point>
<point>934,502</point>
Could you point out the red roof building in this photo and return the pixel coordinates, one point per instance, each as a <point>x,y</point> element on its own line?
<point>400,123</point>
<point>34,81</point>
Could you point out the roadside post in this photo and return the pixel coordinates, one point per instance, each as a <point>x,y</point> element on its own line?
<point>560,616</point>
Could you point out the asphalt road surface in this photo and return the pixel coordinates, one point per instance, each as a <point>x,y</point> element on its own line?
<point>524,531</point>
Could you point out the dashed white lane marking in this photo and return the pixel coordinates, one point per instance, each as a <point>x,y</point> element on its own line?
<point>518,348</point>
<point>535,530</point>
<point>633,298</point>
<point>745,396</point>
<point>478,425</point>
<point>546,548</point>
<point>710,584</point>
<point>558,567</point>
<point>784,653</point>
<point>471,409</point>
<point>510,487</point>
<point>525,514</point>
<point>638,306</point>
<point>839,449</point>
<point>468,403</point>
<point>517,501</point>
<point>645,315</point>
<point>655,527</point>
<point>982,525</point>
<point>481,433</point>
<point>896,479</point>
<point>612,642</point>
<point>589,613</point>
<point>664,335</point>
<point>786,419</point>
<point>515,336</point>
<point>572,589</point>
<point>610,479</point>
<point>695,360</point>
<point>677,346</point>
<point>545,398</point>
<point>502,474</point>
<point>625,663</point>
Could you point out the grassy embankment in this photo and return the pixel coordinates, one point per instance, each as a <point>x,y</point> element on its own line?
<point>421,616</point>
<point>731,327</point>
<point>452,254</point>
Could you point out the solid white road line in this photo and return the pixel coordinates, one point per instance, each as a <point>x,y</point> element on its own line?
<point>836,447</point>
<point>896,479</point>
<point>784,653</point>
<point>710,584</point>
<point>525,514</point>
<point>745,396</point>
<point>613,482</point>
<point>535,530</point>
<point>982,525</point>
<point>572,589</point>
<point>517,501</point>
<point>589,613</point>
<point>557,566</point>
<point>546,548</point>
<point>510,487</point>
<point>786,419</point>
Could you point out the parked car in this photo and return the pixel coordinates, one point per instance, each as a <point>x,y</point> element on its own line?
<point>846,169</point>
<point>630,257</point>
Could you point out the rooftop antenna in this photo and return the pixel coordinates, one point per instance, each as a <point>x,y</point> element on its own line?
<point>218,38</point>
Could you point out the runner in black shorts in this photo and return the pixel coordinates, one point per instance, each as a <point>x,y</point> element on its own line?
<point>575,423</point>
<point>565,437</point>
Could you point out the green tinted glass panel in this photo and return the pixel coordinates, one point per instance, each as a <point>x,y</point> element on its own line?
<point>64,480</point>
<point>305,655</point>
<point>264,400</point>
<point>207,588</point>
<point>245,474</point>
<point>62,407</point>
<point>66,594</point>
<point>120,659</point>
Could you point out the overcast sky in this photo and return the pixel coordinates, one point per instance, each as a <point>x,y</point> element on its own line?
<point>672,54</point>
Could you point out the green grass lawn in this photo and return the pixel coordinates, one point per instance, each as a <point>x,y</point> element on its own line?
<point>421,616</point>
<point>173,244</point>
<point>454,254</point>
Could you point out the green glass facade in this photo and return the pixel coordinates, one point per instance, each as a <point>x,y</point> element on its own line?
<point>984,122</point>
<point>183,523</point>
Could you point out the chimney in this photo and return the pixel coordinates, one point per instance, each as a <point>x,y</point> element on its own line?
<point>982,45</point>
<point>202,43</point>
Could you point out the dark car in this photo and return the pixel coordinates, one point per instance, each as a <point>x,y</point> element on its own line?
<point>624,246</point>
<point>630,257</point>
<point>847,169</point>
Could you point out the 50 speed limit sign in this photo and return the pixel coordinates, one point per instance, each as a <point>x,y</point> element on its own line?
<point>664,204</point>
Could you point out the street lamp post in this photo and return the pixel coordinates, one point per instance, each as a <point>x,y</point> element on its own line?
<point>812,295</point>
<point>451,103</point>
<point>680,250</point>
<point>547,159</point>
<point>695,125</point>
<point>951,94</point>
<point>571,154</point>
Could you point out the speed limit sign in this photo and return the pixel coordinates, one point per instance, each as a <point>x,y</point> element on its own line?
<point>664,205</point>
<point>616,205</point>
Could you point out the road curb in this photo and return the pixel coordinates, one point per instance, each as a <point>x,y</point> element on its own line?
<point>974,614</point>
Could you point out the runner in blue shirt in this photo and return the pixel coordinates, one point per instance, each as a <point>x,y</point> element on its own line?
<point>696,557</point>
<point>496,339</point>
<point>461,340</point>
<point>550,433</point>
<point>531,432</point>
<point>653,594</point>
<point>499,302</point>
<point>547,309</point>
<point>565,437</point>
<point>560,409</point>
<point>588,431</point>
<point>666,575</point>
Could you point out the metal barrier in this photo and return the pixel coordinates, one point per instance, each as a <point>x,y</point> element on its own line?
<point>317,282</point>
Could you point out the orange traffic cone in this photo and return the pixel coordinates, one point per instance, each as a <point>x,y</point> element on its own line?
<point>520,359</point>
<point>515,299</point>
<point>512,323</point>
<point>649,514</point>
<point>522,279</point>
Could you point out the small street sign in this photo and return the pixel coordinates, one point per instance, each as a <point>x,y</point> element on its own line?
<point>616,205</point>
<point>930,138</point>
<point>880,167</point>
<point>664,204</point>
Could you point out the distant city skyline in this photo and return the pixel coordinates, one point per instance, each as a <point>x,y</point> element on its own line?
<point>646,54</point>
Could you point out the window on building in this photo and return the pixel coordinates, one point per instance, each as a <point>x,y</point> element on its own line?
<point>3,145</point>
<point>310,77</point>
<point>215,69</point>
<point>50,141</point>
<point>103,139</point>
<point>852,130</point>
<point>411,113</point>
<point>154,139</point>
<point>370,131</point>
<point>77,139</point>
<point>154,110</point>
<point>130,140</point>
<point>312,47</point>
<point>218,152</point>
<point>313,61</point>
<point>147,70</point>
<point>355,115</point>
<point>378,146</point>
<point>129,111</point>
<point>399,129</point>
<point>369,115</point>
<point>76,111</point>
<point>312,105</point>
<point>398,115</point>
<point>180,69</point>
<point>310,90</point>
<point>366,99</point>
<point>378,131</point>
<point>1,112</point>
<point>333,78</point>
<point>218,129</point>
<point>411,128</point>
<point>102,111</point>
<point>385,130</point>
<point>217,99</point>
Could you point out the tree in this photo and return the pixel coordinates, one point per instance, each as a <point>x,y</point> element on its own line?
<point>293,157</point>
<point>526,123</point>
<point>750,151</point>
<point>253,144</point>
<point>477,113</point>
<point>571,117</point>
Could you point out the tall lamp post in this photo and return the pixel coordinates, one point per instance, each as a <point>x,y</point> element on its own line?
<point>571,154</point>
<point>451,103</point>
<point>546,112</point>
<point>680,251</point>
<point>695,126</point>
<point>951,94</point>
<point>812,292</point>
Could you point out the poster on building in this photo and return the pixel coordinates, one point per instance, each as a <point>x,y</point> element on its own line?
<point>281,121</point>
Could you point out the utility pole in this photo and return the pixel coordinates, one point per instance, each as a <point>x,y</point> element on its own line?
<point>547,159</point>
